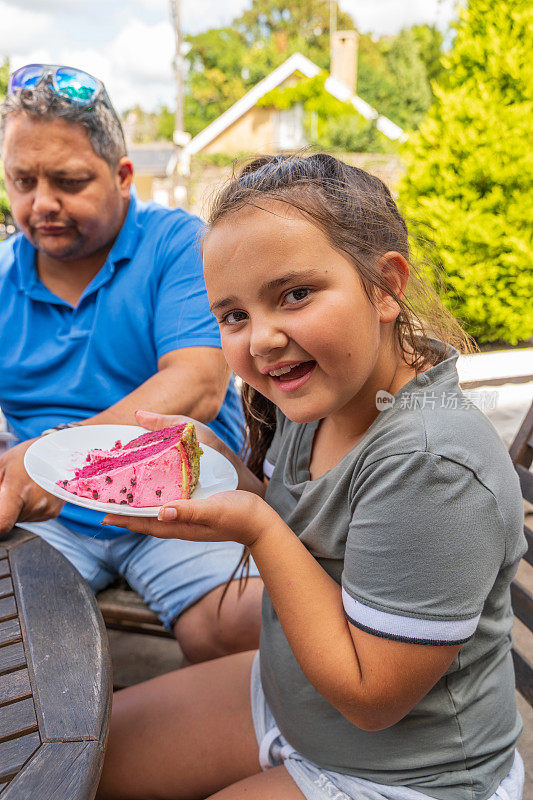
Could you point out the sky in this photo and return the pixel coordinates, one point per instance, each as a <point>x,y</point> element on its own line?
<point>129,43</point>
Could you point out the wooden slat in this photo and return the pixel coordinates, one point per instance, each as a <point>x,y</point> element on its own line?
<point>522,602</point>
<point>129,613</point>
<point>65,641</point>
<point>518,447</point>
<point>528,556</point>
<point>17,719</point>
<point>15,752</point>
<point>12,657</point>
<point>6,586</point>
<point>8,608</point>
<point>14,686</point>
<point>132,627</point>
<point>59,771</point>
<point>524,676</point>
<point>9,632</point>
<point>4,568</point>
<point>16,537</point>
<point>526,482</point>
<point>3,552</point>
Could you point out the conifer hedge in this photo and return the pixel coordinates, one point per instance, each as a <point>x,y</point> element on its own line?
<point>468,187</point>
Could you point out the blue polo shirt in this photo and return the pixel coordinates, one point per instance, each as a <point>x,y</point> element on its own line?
<point>64,364</point>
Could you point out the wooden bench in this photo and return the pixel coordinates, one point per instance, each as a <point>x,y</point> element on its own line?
<point>123,610</point>
<point>521,452</point>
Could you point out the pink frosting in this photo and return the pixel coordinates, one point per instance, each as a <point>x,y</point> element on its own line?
<point>139,476</point>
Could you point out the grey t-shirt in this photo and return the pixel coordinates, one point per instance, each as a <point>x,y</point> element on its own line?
<point>421,522</point>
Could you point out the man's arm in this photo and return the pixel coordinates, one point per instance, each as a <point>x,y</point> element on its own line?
<point>191,381</point>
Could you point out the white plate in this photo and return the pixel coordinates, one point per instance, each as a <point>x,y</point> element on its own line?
<point>56,456</point>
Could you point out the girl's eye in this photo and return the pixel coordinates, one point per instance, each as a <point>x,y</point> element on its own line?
<point>297,295</point>
<point>233,317</point>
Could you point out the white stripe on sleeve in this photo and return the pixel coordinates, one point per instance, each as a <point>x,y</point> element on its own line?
<point>408,629</point>
<point>268,469</point>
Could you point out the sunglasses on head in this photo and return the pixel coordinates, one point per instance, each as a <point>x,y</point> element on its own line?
<point>74,85</point>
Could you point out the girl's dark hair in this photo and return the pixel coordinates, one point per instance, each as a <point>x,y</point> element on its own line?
<point>357,214</point>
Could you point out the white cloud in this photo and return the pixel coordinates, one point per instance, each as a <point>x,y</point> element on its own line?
<point>21,29</point>
<point>389,16</point>
<point>51,5</point>
<point>131,50</point>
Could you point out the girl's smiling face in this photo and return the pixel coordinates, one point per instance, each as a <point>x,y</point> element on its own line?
<point>295,321</point>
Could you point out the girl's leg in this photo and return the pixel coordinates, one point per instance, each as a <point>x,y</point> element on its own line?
<point>182,736</point>
<point>274,783</point>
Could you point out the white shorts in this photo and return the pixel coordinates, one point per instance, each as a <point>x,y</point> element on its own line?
<point>316,783</point>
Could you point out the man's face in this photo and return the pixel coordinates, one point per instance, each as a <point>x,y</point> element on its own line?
<point>66,199</point>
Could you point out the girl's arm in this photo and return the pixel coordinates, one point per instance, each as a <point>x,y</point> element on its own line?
<point>372,681</point>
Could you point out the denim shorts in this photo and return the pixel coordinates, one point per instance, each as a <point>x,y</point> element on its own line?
<point>316,783</point>
<point>169,574</point>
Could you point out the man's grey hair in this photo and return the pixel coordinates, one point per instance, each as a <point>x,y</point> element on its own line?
<point>103,129</point>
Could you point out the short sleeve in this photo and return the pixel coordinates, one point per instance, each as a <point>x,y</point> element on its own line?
<point>182,314</point>
<point>425,544</point>
<point>273,451</point>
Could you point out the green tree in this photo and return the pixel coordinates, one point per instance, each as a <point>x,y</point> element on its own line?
<point>392,77</point>
<point>4,202</point>
<point>225,62</point>
<point>429,41</point>
<point>468,182</point>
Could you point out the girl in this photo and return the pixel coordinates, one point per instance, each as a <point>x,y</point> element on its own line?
<point>386,537</point>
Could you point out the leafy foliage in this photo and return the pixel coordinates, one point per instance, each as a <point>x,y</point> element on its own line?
<point>4,202</point>
<point>468,182</point>
<point>329,123</point>
<point>225,62</point>
<point>393,77</point>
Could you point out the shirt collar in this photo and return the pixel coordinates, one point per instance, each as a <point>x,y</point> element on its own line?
<point>121,253</point>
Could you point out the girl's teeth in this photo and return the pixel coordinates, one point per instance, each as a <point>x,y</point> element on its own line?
<point>281,371</point>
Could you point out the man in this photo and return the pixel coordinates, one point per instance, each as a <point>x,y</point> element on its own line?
<point>103,311</point>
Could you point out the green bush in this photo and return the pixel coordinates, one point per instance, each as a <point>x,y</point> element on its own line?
<point>468,184</point>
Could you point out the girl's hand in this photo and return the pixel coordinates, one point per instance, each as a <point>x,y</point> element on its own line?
<point>154,422</point>
<point>235,516</point>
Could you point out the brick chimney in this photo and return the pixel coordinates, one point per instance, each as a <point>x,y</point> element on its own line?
<point>344,58</point>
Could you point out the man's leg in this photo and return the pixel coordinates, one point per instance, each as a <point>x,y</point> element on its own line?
<point>209,630</point>
<point>183,583</point>
<point>88,555</point>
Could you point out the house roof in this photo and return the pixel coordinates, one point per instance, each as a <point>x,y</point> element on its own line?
<point>295,63</point>
<point>157,158</point>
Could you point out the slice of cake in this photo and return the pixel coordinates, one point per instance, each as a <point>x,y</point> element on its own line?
<point>151,470</point>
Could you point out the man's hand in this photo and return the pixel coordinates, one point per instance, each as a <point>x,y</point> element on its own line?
<point>21,500</point>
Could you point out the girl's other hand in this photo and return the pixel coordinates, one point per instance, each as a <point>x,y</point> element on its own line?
<point>154,422</point>
<point>235,516</point>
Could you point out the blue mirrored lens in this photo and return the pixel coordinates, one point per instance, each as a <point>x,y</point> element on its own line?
<point>27,77</point>
<point>76,85</point>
